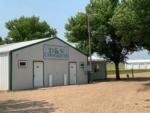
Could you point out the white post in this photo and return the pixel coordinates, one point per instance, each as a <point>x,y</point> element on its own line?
<point>65,79</point>
<point>50,80</point>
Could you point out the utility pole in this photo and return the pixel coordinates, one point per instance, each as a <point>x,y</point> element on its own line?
<point>89,36</point>
<point>90,50</point>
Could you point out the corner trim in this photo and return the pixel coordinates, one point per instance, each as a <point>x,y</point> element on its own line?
<point>10,71</point>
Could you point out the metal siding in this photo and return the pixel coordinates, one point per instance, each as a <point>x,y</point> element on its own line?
<point>128,66</point>
<point>4,71</point>
<point>148,66</point>
<point>137,66</point>
<point>23,78</point>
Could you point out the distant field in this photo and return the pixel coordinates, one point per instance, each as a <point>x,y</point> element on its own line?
<point>112,72</point>
<point>111,69</point>
<point>111,66</point>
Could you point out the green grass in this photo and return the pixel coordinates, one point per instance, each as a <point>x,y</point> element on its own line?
<point>112,72</point>
<point>111,69</point>
<point>111,66</point>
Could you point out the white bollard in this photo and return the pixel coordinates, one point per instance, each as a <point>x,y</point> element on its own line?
<point>65,79</point>
<point>50,80</point>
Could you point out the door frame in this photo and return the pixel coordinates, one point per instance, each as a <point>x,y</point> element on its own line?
<point>69,71</point>
<point>33,71</point>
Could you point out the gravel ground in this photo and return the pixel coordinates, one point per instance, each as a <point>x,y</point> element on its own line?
<point>124,96</point>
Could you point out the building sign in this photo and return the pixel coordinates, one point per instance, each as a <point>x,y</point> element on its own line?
<point>55,52</point>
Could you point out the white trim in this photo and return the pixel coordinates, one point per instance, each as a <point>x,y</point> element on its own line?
<point>138,61</point>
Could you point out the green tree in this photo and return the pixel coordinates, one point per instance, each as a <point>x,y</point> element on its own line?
<point>77,31</point>
<point>1,41</point>
<point>28,28</point>
<point>104,38</point>
<point>132,21</point>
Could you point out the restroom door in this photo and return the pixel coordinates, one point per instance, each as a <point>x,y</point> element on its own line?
<point>73,73</point>
<point>38,74</point>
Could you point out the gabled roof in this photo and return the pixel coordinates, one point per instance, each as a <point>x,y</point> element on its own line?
<point>6,48</point>
<point>10,47</point>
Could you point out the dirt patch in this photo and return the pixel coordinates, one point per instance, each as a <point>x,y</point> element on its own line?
<point>25,106</point>
<point>100,97</point>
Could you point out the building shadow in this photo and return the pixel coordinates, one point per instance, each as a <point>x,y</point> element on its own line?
<point>26,106</point>
<point>147,85</point>
<point>140,79</point>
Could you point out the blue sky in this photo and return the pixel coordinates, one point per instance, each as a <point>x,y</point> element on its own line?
<point>143,54</point>
<point>55,12</point>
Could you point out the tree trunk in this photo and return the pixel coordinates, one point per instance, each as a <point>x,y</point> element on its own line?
<point>117,70</point>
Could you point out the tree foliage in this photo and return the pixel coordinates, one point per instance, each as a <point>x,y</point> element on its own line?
<point>104,35</point>
<point>1,40</point>
<point>142,12</point>
<point>77,31</point>
<point>132,21</point>
<point>28,28</point>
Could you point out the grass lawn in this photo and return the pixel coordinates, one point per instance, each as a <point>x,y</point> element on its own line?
<point>111,66</point>
<point>112,72</point>
<point>111,69</point>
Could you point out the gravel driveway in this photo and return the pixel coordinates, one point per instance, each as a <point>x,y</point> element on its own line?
<point>125,96</point>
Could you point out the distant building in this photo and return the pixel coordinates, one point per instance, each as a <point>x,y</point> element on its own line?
<point>98,68</point>
<point>137,64</point>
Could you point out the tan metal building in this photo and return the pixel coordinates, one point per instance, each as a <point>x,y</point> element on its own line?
<point>41,63</point>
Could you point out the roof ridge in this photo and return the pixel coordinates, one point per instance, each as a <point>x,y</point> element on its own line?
<point>12,46</point>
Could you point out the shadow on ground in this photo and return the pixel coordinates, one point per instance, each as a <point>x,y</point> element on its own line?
<point>140,79</point>
<point>26,106</point>
<point>147,85</point>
